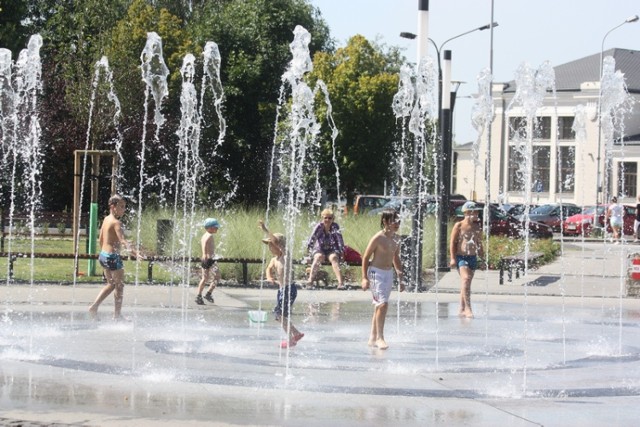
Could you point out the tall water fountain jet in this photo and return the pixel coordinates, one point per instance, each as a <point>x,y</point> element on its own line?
<point>415,105</point>
<point>296,146</point>
<point>154,74</point>
<point>21,133</point>
<point>532,86</point>
<point>102,73</point>
<point>211,81</point>
<point>189,167</point>
<point>615,103</point>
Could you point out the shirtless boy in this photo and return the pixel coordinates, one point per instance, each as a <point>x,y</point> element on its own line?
<point>465,247</point>
<point>287,291</point>
<point>209,266</point>
<point>111,240</point>
<point>377,273</point>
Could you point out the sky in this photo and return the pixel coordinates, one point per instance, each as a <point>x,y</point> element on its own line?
<point>558,31</point>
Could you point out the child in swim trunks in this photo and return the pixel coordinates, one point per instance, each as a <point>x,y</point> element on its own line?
<point>209,266</point>
<point>111,240</point>
<point>287,292</point>
<point>464,248</point>
<point>377,273</point>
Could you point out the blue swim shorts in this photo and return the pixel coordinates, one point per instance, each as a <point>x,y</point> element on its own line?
<point>110,261</point>
<point>470,261</point>
<point>286,297</point>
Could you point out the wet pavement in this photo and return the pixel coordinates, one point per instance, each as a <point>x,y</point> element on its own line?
<point>558,347</point>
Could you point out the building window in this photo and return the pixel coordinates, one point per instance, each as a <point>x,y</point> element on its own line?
<point>567,179</point>
<point>565,128</point>
<point>628,179</point>
<point>543,128</point>
<point>540,162</point>
<point>518,128</point>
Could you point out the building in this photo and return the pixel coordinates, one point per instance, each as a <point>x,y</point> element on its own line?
<point>563,166</point>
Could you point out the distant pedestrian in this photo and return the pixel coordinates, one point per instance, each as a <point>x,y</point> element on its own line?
<point>614,217</point>
<point>111,241</point>
<point>287,291</point>
<point>636,222</point>
<point>378,262</point>
<point>464,248</point>
<point>210,270</point>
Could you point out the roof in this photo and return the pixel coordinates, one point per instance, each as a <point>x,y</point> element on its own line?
<point>571,75</point>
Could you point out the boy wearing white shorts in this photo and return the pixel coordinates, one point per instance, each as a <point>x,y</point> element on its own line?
<point>380,259</point>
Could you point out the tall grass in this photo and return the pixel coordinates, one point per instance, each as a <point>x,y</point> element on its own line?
<point>239,237</point>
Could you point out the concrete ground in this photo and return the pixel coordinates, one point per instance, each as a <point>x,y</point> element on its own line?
<point>558,347</point>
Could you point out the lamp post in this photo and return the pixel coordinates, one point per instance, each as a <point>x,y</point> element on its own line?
<point>599,189</point>
<point>444,120</point>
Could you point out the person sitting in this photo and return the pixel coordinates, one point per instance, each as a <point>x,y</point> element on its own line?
<point>326,243</point>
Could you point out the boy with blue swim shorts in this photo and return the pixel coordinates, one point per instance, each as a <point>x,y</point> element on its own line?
<point>464,249</point>
<point>380,259</point>
<point>276,273</point>
<point>111,240</point>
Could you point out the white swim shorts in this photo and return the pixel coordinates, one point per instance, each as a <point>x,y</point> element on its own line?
<point>381,283</point>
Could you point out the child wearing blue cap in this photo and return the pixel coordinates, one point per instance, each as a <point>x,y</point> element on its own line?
<point>210,271</point>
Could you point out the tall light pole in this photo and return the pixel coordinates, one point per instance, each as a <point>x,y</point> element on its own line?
<point>599,189</point>
<point>444,121</point>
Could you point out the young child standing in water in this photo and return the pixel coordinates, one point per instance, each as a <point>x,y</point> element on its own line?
<point>464,248</point>
<point>210,271</point>
<point>287,292</point>
<point>111,240</point>
<point>378,262</point>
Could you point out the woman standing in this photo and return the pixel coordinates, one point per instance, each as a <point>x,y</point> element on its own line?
<point>326,243</point>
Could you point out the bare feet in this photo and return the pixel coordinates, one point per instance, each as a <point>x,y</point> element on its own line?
<point>297,338</point>
<point>372,342</point>
<point>468,314</point>
<point>93,313</point>
<point>121,318</point>
<point>382,344</point>
<point>287,344</point>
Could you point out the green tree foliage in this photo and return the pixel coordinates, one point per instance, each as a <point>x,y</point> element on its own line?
<point>361,79</point>
<point>253,37</point>
<point>13,32</point>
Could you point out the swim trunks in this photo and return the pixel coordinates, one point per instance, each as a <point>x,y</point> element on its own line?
<point>286,297</point>
<point>110,261</point>
<point>381,283</point>
<point>208,263</point>
<point>470,261</point>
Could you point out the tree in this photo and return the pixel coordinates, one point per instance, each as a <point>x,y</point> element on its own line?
<point>13,33</point>
<point>253,37</point>
<point>362,79</point>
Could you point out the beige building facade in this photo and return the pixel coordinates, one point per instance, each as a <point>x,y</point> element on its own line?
<point>547,156</point>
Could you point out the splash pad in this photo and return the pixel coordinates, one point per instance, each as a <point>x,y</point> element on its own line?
<point>559,364</point>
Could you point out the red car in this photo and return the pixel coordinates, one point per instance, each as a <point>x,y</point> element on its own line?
<point>583,223</point>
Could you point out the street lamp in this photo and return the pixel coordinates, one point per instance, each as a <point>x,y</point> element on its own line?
<point>445,123</point>
<point>630,19</point>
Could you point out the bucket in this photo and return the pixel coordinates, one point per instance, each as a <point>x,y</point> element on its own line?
<point>257,316</point>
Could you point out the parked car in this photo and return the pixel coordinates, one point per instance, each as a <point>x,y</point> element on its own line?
<point>503,224</point>
<point>582,224</point>
<point>397,204</point>
<point>553,214</point>
<point>365,202</point>
<point>455,202</point>
<point>517,209</point>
